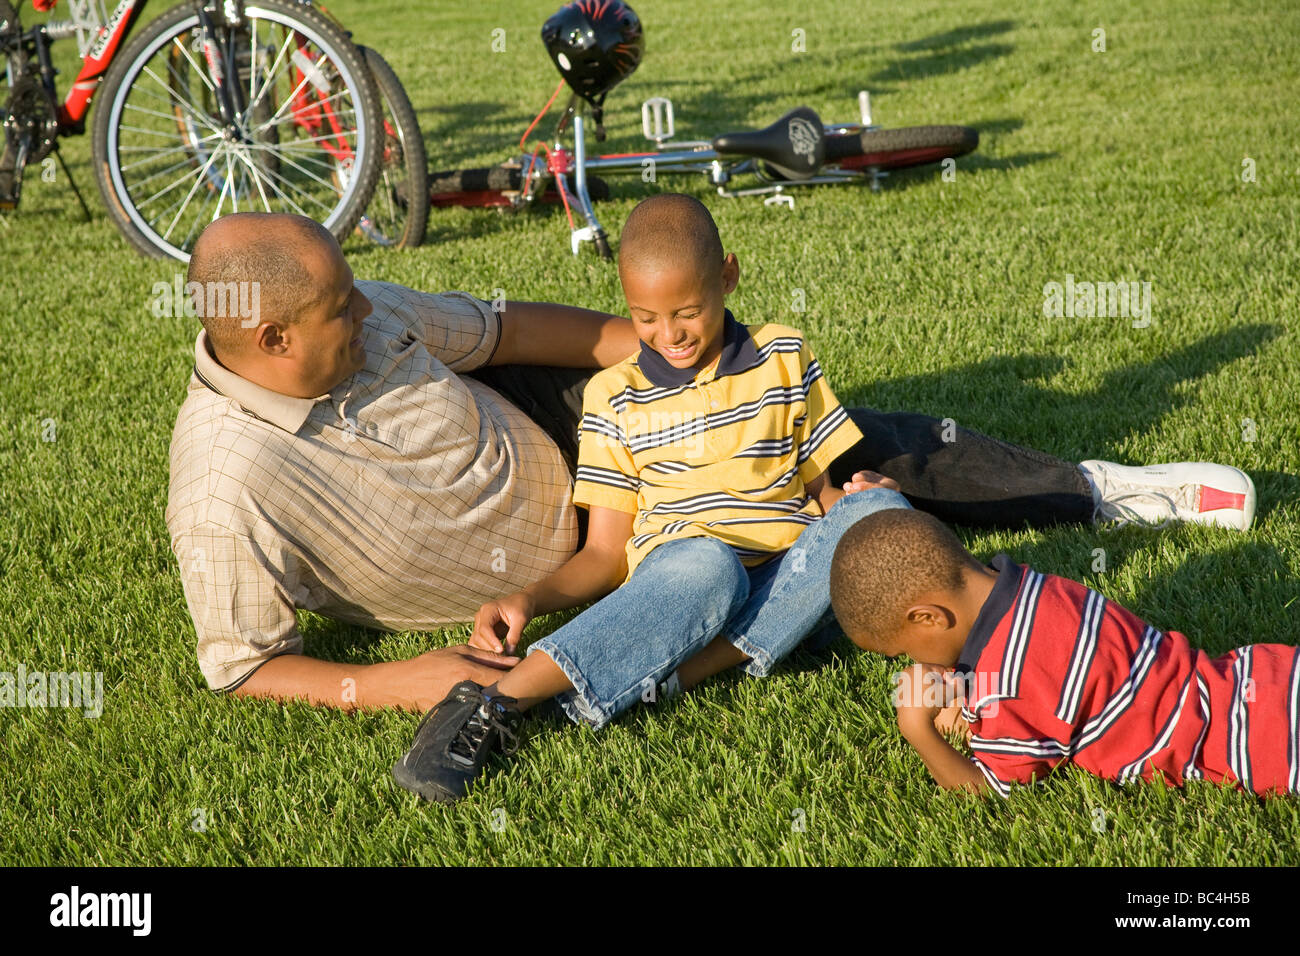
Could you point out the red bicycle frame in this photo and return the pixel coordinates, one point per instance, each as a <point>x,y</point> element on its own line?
<point>73,110</point>
<point>309,112</point>
<point>313,115</point>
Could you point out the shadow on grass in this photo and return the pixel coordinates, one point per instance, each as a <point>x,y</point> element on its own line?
<point>1273,488</point>
<point>474,128</point>
<point>1244,593</point>
<point>998,127</point>
<point>1004,397</point>
<point>705,112</point>
<point>941,63</point>
<point>901,179</point>
<point>957,36</point>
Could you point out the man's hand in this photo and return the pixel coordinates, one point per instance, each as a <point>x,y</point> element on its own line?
<point>428,679</point>
<point>864,480</point>
<point>499,624</point>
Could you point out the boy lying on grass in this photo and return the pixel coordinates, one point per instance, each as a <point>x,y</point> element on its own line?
<point>1052,672</point>
<point>703,462</point>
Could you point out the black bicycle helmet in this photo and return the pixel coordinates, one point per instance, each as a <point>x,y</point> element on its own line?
<point>595,44</point>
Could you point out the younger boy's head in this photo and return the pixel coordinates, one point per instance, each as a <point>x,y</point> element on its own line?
<point>675,277</point>
<point>901,583</point>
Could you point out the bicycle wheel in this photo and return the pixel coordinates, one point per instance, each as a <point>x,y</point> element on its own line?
<point>302,140</point>
<point>488,185</point>
<point>399,209</point>
<point>900,148</point>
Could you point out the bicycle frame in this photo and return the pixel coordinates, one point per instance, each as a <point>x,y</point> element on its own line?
<point>96,60</point>
<point>108,38</point>
<point>673,157</point>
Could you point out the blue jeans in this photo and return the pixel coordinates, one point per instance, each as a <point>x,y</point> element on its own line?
<point>687,592</point>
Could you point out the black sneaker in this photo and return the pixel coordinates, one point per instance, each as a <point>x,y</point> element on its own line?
<point>455,739</point>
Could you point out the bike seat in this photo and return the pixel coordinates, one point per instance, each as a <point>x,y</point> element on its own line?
<point>795,145</point>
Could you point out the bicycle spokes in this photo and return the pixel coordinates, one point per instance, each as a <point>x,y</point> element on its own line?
<point>285,140</point>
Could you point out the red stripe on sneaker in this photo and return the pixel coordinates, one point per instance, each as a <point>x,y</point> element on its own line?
<point>1212,499</point>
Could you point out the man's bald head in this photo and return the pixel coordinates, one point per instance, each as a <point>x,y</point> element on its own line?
<point>669,232</point>
<point>287,256</point>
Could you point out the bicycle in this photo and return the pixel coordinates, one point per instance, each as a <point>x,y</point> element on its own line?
<point>796,150</point>
<point>399,210</point>
<point>214,107</point>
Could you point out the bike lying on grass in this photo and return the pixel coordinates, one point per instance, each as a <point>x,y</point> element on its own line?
<point>595,45</point>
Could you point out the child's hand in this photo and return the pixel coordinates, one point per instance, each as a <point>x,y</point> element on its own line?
<point>923,697</point>
<point>864,480</point>
<point>922,692</point>
<point>949,721</point>
<point>499,624</point>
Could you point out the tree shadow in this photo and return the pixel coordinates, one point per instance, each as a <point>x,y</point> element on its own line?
<point>957,36</point>
<point>1127,402</point>
<point>1242,593</point>
<point>998,127</point>
<point>902,179</point>
<point>941,63</point>
<point>471,128</point>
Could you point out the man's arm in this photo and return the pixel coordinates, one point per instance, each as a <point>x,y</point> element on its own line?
<point>541,333</point>
<point>416,684</point>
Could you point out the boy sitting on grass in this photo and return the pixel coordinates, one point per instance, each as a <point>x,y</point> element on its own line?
<point>703,463</point>
<point>1052,672</point>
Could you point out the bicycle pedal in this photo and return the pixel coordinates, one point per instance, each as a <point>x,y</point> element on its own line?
<point>657,119</point>
<point>779,199</point>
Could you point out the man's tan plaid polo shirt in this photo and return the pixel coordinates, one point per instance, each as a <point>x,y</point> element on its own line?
<point>404,498</point>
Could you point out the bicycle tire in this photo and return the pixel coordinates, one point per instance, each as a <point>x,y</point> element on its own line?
<point>447,187</point>
<point>9,17</point>
<point>484,179</point>
<point>398,213</point>
<point>344,98</point>
<point>900,148</point>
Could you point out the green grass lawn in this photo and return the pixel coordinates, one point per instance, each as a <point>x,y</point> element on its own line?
<point>1119,165</point>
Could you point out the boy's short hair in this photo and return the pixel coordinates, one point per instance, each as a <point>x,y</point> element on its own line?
<point>669,231</point>
<point>883,564</point>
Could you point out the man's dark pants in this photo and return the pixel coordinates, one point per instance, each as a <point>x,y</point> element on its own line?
<point>970,479</point>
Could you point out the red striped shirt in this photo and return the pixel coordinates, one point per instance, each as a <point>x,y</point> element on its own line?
<point>1060,673</point>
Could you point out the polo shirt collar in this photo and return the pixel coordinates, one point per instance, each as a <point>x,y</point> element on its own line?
<point>738,354</point>
<point>283,411</point>
<point>996,607</point>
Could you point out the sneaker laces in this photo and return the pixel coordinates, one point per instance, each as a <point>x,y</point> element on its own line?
<point>1112,506</point>
<point>486,719</point>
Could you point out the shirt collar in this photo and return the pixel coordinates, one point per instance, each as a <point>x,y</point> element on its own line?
<point>996,606</point>
<point>738,354</point>
<point>283,411</point>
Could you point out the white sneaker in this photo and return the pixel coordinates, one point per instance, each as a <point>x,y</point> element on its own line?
<point>1197,491</point>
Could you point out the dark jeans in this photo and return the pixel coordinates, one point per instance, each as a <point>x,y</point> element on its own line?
<point>969,479</point>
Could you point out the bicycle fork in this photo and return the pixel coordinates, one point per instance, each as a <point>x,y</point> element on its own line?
<point>593,231</point>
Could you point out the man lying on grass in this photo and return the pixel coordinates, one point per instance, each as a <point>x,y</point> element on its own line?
<point>395,458</point>
<point>1049,672</point>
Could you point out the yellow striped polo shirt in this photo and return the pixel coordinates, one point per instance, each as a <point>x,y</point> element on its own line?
<point>725,452</point>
